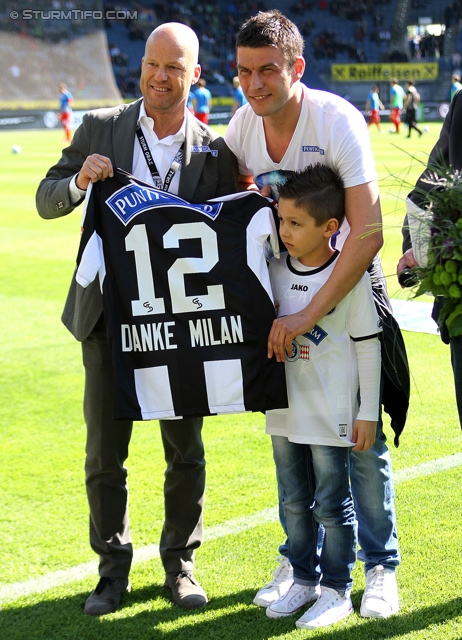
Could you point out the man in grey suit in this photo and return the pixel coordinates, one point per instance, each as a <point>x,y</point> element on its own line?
<point>447,153</point>
<point>159,141</point>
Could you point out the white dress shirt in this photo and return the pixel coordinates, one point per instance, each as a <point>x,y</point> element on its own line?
<point>163,152</point>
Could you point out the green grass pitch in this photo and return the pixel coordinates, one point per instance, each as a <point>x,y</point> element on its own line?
<point>47,567</point>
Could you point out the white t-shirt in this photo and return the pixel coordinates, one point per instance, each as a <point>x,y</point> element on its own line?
<point>330,131</point>
<point>322,374</point>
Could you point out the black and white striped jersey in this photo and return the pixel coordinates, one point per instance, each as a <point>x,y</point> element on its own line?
<point>187,299</point>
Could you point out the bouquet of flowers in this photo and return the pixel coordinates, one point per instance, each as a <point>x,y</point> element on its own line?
<point>440,233</point>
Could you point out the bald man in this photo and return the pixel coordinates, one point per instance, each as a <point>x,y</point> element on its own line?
<point>106,139</point>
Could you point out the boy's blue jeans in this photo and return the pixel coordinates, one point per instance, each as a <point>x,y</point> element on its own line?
<point>373,494</point>
<point>315,483</point>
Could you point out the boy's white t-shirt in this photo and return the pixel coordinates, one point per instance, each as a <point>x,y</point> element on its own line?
<point>330,130</point>
<point>322,374</point>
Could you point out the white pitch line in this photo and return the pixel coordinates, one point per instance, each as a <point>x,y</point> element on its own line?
<point>427,468</point>
<point>12,592</point>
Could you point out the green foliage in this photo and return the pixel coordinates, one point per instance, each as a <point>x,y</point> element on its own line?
<point>44,519</point>
<point>441,275</point>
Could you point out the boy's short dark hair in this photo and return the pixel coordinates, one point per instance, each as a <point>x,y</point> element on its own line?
<point>319,190</point>
<point>272,29</point>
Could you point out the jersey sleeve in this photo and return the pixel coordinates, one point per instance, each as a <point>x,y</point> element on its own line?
<point>90,260</point>
<point>262,229</point>
<point>369,369</point>
<point>364,325</point>
<point>362,320</point>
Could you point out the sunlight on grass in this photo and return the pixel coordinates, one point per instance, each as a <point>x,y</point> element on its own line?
<point>44,520</point>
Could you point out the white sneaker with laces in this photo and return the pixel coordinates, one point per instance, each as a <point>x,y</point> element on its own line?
<point>380,598</point>
<point>329,608</point>
<point>297,597</point>
<point>283,579</point>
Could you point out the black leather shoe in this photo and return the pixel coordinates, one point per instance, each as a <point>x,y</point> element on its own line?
<point>106,597</point>
<point>186,591</point>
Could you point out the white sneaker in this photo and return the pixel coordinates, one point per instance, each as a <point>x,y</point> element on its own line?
<point>380,598</point>
<point>283,579</point>
<point>330,607</point>
<point>297,597</point>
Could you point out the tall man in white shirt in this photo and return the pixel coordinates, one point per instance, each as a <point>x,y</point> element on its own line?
<point>159,141</point>
<point>287,126</point>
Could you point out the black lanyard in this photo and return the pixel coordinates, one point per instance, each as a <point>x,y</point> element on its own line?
<point>176,164</point>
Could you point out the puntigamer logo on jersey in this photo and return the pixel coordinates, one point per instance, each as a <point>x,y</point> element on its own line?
<point>134,199</point>
<point>306,148</point>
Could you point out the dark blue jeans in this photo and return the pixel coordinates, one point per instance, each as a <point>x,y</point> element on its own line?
<point>374,499</point>
<point>316,487</point>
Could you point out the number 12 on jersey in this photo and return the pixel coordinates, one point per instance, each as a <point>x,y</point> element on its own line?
<point>148,303</point>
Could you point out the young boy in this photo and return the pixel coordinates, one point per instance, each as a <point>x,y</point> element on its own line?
<point>333,380</point>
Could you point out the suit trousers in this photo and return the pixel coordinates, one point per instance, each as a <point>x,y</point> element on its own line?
<point>456,360</point>
<point>106,476</point>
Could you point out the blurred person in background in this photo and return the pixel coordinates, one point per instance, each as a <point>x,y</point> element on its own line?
<point>374,104</point>
<point>396,104</point>
<point>202,102</point>
<point>239,98</point>
<point>411,103</point>
<point>455,86</point>
<point>65,111</point>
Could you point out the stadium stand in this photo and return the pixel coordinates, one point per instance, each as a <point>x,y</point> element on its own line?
<point>348,31</point>
<point>216,23</point>
<point>335,31</point>
<point>37,52</point>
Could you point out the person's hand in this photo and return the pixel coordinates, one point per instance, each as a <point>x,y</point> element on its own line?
<point>94,168</point>
<point>407,261</point>
<point>406,277</point>
<point>283,331</point>
<point>363,434</point>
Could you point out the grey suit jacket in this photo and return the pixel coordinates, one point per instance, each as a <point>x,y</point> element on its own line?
<point>111,133</point>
